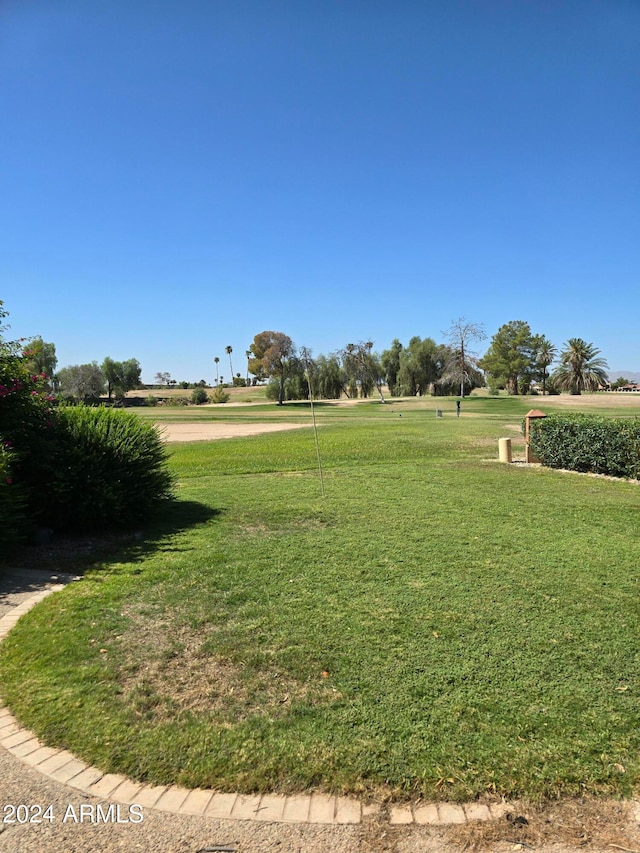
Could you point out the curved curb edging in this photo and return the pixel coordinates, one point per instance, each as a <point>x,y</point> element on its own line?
<point>63,767</point>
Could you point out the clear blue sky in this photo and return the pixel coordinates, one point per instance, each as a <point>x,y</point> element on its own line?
<point>179,175</point>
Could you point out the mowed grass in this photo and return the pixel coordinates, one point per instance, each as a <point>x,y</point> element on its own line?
<point>438,625</point>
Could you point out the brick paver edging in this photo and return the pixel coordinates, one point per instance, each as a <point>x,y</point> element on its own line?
<point>63,767</point>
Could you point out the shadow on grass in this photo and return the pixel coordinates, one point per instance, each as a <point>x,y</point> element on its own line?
<point>33,567</point>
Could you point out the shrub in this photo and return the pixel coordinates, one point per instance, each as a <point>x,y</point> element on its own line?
<point>588,443</point>
<point>26,419</point>
<point>199,396</point>
<point>150,400</point>
<point>12,503</point>
<point>107,468</point>
<point>219,395</point>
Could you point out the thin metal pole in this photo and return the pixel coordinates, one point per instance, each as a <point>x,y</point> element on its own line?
<point>315,426</point>
<point>315,432</point>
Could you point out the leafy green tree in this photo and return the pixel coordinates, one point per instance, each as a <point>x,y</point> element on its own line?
<point>328,377</point>
<point>419,368</point>
<point>42,360</point>
<point>362,369</point>
<point>273,353</point>
<point>581,368</point>
<point>296,386</point>
<point>121,376</point>
<point>509,361</point>
<point>82,382</point>
<point>620,382</point>
<point>390,362</point>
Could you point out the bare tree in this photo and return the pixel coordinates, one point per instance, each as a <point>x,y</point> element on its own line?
<point>460,335</point>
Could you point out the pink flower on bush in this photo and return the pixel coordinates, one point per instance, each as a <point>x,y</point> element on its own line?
<point>8,481</point>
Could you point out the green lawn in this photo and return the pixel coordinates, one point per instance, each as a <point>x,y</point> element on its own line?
<point>438,624</point>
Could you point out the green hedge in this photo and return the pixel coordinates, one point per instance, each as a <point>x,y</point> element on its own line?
<point>588,443</point>
<point>107,468</point>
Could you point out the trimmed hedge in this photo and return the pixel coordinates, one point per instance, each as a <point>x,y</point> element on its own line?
<point>107,469</point>
<point>588,443</point>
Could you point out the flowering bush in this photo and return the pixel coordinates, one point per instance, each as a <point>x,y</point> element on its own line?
<point>70,466</point>
<point>12,502</point>
<point>26,421</point>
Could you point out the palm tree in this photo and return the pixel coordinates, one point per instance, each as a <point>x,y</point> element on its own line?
<point>580,368</point>
<point>248,354</point>
<point>217,361</point>
<point>228,351</point>
<point>545,355</point>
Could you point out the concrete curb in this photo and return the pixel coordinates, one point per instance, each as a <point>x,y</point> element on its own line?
<point>63,767</point>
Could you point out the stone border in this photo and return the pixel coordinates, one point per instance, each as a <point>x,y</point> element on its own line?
<point>63,767</point>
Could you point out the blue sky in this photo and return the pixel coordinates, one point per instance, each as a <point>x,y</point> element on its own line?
<point>178,176</point>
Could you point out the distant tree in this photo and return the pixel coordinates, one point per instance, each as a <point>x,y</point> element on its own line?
<point>620,382</point>
<point>228,351</point>
<point>217,361</point>
<point>390,362</point>
<point>41,359</point>
<point>328,377</point>
<point>272,356</point>
<point>419,368</point>
<point>121,376</point>
<point>545,354</point>
<point>199,396</point>
<point>462,363</point>
<point>296,386</point>
<point>363,370</point>
<point>509,361</point>
<point>580,368</point>
<point>248,356</point>
<point>82,382</point>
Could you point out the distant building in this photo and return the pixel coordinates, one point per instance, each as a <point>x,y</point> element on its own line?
<point>632,386</point>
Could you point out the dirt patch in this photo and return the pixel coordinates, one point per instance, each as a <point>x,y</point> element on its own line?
<point>579,823</point>
<point>168,670</point>
<point>215,431</point>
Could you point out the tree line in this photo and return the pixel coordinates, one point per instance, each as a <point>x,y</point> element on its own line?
<point>517,360</point>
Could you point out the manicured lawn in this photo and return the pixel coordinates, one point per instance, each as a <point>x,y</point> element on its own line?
<point>439,624</point>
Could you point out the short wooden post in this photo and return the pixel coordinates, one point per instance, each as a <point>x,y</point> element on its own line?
<point>532,415</point>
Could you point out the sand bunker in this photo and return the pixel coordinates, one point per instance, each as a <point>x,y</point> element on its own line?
<point>216,431</point>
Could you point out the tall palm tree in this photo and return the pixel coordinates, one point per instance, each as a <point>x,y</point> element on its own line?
<point>217,361</point>
<point>248,354</point>
<point>228,351</point>
<point>580,368</point>
<point>545,355</point>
